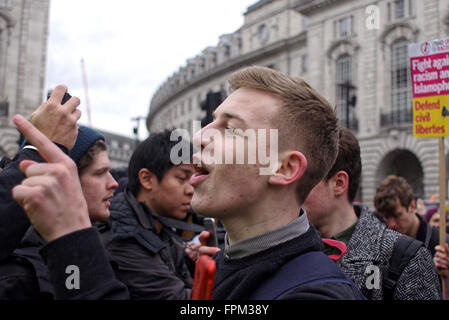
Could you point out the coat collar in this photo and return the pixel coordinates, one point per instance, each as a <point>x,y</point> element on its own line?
<point>366,240</point>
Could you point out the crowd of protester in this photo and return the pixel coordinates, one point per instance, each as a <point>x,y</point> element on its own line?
<point>72,228</point>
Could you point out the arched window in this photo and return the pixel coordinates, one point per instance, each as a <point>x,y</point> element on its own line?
<point>400,83</point>
<point>345,91</point>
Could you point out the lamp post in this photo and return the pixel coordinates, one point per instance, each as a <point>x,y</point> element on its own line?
<point>350,100</point>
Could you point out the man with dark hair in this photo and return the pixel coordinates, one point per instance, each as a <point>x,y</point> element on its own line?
<point>369,243</point>
<point>149,254</point>
<point>395,203</point>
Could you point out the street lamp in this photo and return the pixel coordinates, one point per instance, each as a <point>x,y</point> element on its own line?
<point>350,100</point>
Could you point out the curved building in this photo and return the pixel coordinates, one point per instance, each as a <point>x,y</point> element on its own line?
<point>352,51</point>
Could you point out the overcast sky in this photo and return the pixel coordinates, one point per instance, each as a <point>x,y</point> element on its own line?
<point>129,48</point>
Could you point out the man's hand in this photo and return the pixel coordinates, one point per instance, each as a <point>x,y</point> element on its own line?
<point>51,194</point>
<point>441,260</point>
<point>196,249</point>
<point>58,121</point>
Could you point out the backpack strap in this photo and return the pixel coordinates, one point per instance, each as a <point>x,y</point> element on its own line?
<point>302,270</point>
<point>404,249</point>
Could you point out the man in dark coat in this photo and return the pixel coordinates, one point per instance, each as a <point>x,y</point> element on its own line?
<point>149,255</point>
<point>259,201</point>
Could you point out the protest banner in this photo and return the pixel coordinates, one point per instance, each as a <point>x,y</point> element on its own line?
<point>429,65</point>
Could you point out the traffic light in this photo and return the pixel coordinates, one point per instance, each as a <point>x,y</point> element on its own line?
<point>213,100</point>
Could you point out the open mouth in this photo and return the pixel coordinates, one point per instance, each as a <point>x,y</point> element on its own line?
<point>107,200</point>
<point>200,175</point>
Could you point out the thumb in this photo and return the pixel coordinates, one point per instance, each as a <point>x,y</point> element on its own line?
<point>204,235</point>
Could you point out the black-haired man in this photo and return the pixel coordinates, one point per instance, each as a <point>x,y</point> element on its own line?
<point>150,256</point>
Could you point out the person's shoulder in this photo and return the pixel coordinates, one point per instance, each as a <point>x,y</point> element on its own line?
<point>373,235</point>
<point>118,204</point>
<point>326,290</point>
<point>122,217</point>
<point>15,267</point>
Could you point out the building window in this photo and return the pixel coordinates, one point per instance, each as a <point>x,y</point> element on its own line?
<point>305,23</point>
<point>343,27</point>
<point>399,9</point>
<point>227,50</point>
<point>400,82</point>
<point>4,108</point>
<point>345,92</point>
<point>263,33</point>
<point>304,63</point>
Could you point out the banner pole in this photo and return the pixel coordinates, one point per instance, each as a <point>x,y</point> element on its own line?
<point>442,192</point>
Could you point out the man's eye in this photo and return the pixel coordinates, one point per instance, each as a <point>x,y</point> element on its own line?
<point>101,172</point>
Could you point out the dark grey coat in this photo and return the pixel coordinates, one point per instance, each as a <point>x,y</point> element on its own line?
<point>151,264</point>
<point>372,244</point>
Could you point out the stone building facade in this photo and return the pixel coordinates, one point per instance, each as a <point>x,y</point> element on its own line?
<point>352,51</point>
<point>23,51</point>
<point>120,148</point>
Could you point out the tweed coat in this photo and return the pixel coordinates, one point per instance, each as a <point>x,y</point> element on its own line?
<point>371,246</point>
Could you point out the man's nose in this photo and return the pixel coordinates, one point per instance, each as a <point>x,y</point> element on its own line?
<point>189,189</point>
<point>200,140</point>
<point>113,184</point>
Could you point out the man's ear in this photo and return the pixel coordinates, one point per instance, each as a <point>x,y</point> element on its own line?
<point>292,167</point>
<point>341,183</point>
<point>147,179</point>
<point>412,206</point>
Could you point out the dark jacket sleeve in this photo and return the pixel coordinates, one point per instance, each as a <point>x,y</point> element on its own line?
<point>145,273</point>
<point>13,220</point>
<point>84,251</point>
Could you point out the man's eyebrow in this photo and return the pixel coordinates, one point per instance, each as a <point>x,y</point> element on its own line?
<point>102,169</point>
<point>229,116</point>
<point>186,171</point>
